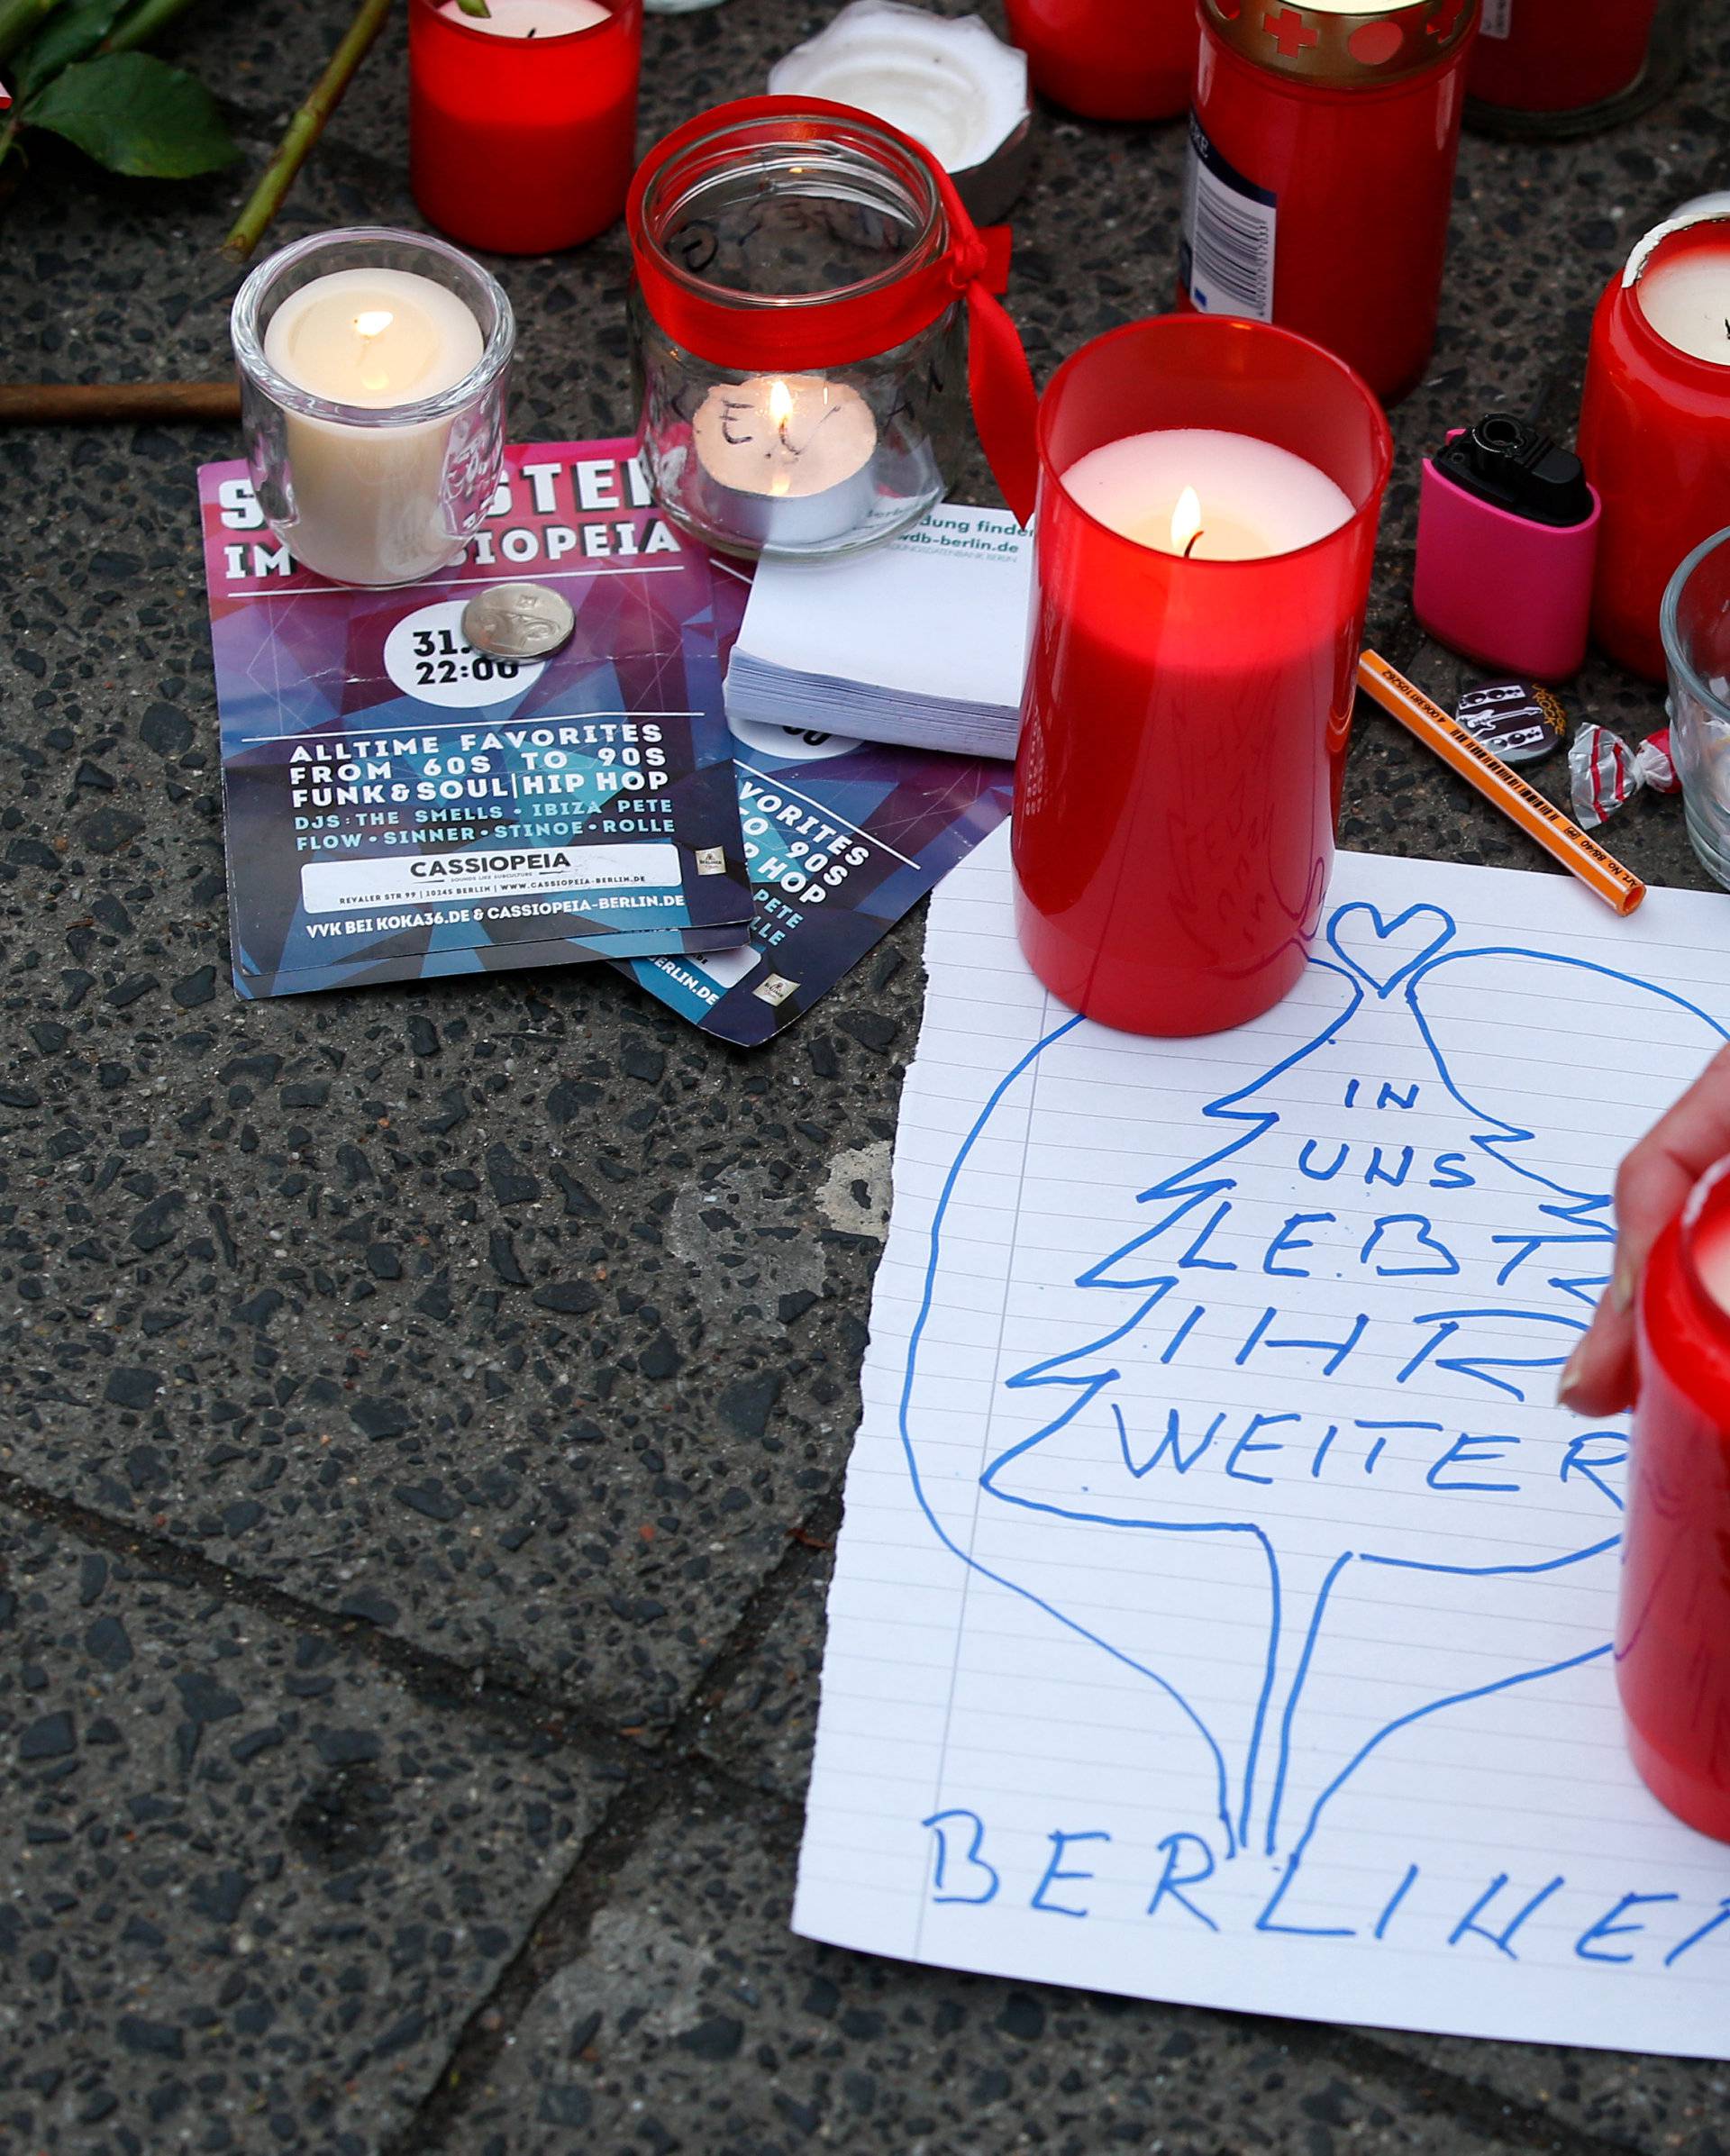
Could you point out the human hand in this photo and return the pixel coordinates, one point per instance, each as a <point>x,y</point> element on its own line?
<point>1651,1185</point>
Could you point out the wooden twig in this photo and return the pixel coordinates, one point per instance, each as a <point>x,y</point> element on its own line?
<point>96,403</point>
<point>304,129</point>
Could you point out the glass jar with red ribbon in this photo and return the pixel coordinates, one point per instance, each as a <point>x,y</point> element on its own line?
<point>1322,147</point>
<point>810,299</point>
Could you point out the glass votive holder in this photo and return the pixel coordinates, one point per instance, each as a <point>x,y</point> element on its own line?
<point>1190,683</point>
<point>1320,176</point>
<point>1109,59</point>
<point>374,366</point>
<point>1695,624</point>
<point>1545,69</point>
<point>1654,425</point>
<point>805,279</point>
<point>1672,1633</point>
<point>520,144</point>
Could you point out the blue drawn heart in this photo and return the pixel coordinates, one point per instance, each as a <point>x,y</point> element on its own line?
<point>1385,951</point>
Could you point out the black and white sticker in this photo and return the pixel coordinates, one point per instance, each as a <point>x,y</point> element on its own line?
<point>1226,257</point>
<point>1497,20</point>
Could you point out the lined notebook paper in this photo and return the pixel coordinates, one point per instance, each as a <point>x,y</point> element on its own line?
<point>1222,1609</point>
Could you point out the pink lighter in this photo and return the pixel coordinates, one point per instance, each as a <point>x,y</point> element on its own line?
<point>1507,534</point>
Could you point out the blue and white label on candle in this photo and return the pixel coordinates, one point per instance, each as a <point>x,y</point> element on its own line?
<point>1225,256</point>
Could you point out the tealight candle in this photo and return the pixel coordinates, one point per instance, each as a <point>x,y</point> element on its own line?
<point>373,397</point>
<point>785,460</point>
<point>1207,494</point>
<point>1655,426</point>
<point>368,500</point>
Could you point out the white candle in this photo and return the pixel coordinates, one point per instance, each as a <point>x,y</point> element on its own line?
<point>368,500</point>
<point>530,18</point>
<point>1711,1248</point>
<point>788,459</point>
<point>1208,494</point>
<point>1687,301</point>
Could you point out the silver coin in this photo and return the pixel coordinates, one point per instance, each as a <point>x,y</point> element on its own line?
<point>517,621</point>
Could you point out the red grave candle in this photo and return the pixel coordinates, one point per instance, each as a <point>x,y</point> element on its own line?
<point>1673,1643</point>
<point>522,143</point>
<point>1559,56</point>
<point>1185,718</point>
<point>1654,427</point>
<point>1322,147</point>
<point>1109,59</point>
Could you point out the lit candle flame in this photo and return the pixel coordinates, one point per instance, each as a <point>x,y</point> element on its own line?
<point>1186,521</point>
<point>373,323</point>
<point>780,406</point>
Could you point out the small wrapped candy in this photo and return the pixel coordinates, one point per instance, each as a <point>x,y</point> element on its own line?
<point>1605,774</point>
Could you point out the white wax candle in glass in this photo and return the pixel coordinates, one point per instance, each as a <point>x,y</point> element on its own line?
<point>788,459</point>
<point>1207,494</point>
<point>367,505</point>
<point>1687,301</point>
<point>530,18</point>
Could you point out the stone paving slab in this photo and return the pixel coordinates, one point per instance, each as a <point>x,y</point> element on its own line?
<point>252,1888</point>
<point>694,2022</point>
<point>1625,2099</point>
<point>504,1329</point>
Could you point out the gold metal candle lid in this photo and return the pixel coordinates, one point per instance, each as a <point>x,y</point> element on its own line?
<point>1342,47</point>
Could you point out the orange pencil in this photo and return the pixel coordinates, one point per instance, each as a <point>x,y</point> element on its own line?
<point>1558,835</point>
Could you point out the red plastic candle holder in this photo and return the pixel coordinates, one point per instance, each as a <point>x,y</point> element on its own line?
<point>1322,148</point>
<point>1185,722</point>
<point>1109,59</point>
<point>1673,1644</point>
<point>523,145</point>
<point>1654,437</point>
<point>1556,68</point>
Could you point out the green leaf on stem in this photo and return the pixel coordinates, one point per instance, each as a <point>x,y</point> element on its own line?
<point>476,7</point>
<point>71,33</point>
<point>136,116</point>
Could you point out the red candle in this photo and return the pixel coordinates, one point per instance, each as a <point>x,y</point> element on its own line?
<point>1654,427</point>
<point>1672,1645</point>
<point>1559,56</point>
<point>1186,716</point>
<point>522,137</point>
<point>1109,59</point>
<point>1321,171</point>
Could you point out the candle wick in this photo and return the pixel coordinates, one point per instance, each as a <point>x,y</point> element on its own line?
<point>1192,545</point>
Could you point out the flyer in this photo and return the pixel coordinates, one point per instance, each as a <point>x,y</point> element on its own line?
<point>400,805</point>
<point>841,837</point>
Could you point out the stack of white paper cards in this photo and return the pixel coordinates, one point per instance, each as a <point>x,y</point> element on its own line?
<point>921,642</point>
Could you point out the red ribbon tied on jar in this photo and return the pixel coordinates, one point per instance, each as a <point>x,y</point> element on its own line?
<point>754,333</point>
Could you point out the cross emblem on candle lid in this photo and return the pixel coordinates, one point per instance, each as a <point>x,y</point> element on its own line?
<point>1366,46</point>
<point>1289,32</point>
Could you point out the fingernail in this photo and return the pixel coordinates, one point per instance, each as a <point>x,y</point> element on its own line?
<point>1622,1285</point>
<point>1569,1375</point>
